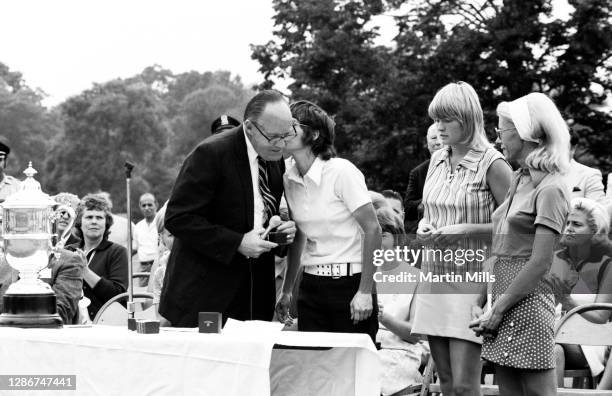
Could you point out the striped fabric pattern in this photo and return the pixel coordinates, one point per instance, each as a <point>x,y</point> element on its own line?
<point>459,197</point>
<point>268,199</point>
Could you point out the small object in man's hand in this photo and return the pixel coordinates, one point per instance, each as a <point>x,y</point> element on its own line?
<point>279,238</point>
<point>274,222</point>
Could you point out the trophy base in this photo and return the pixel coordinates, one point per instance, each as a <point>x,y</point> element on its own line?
<point>30,311</point>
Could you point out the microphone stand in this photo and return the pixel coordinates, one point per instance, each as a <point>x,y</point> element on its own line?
<point>130,303</point>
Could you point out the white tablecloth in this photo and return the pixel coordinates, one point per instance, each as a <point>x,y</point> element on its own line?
<point>351,367</point>
<point>115,361</point>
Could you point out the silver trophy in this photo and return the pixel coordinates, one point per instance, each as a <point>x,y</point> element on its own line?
<point>28,217</point>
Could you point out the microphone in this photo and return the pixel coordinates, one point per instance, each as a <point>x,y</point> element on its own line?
<point>128,169</point>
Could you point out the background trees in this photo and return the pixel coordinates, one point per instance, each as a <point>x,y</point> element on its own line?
<point>329,52</point>
<point>153,119</point>
<point>25,125</point>
<point>379,95</point>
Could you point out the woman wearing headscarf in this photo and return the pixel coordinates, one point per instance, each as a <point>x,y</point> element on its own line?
<point>518,329</point>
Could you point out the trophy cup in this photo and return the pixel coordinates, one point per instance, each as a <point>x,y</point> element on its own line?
<point>26,229</point>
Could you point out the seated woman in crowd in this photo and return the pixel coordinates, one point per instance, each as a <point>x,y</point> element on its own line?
<point>582,273</point>
<point>72,201</point>
<point>378,200</point>
<point>401,353</point>
<point>106,272</point>
<point>158,270</point>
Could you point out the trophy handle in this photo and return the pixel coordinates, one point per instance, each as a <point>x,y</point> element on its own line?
<point>61,238</point>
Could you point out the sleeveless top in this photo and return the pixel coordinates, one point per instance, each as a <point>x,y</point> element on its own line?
<point>460,197</point>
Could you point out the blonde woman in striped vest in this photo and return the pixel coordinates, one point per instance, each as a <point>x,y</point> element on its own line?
<point>466,181</point>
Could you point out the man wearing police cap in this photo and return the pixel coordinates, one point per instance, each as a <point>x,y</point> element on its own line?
<point>222,123</point>
<point>9,185</point>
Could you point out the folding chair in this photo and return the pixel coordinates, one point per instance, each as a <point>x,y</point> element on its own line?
<point>140,275</point>
<point>114,314</point>
<point>573,328</point>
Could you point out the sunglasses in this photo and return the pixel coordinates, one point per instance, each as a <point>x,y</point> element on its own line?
<point>499,132</point>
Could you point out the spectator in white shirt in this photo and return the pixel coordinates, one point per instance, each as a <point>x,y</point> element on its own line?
<point>146,234</point>
<point>337,232</point>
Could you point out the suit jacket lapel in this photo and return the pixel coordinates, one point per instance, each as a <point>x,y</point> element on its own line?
<point>243,168</point>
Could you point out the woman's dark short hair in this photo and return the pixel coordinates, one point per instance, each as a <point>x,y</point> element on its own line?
<point>391,194</point>
<point>93,202</point>
<point>314,119</point>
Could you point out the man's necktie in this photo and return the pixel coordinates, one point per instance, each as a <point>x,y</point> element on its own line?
<point>264,188</point>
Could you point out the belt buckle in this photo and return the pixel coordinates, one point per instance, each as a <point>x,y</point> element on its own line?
<point>335,268</point>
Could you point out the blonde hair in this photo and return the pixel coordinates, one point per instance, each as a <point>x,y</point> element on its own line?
<point>389,221</point>
<point>159,218</point>
<point>459,101</point>
<point>597,217</point>
<point>378,200</point>
<point>541,121</point>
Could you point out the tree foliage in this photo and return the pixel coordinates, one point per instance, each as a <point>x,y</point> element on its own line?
<point>25,125</point>
<point>152,119</point>
<point>103,127</point>
<point>379,95</point>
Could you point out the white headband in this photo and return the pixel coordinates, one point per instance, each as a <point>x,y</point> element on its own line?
<point>519,114</point>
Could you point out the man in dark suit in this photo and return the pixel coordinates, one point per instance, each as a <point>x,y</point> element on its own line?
<point>226,192</point>
<point>416,182</point>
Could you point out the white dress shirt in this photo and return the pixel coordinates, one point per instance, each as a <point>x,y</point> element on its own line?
<point>258,206</point>
<point>147,239</point>
<point>321,203</point>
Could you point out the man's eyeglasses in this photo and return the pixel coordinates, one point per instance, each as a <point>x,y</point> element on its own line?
<point>277,139</point>
<point>500,131</point>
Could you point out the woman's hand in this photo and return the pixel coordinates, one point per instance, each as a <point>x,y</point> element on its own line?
<point>382,318</point>
<point>288,227</point>
<point>381,309</point>
<point>477,311</point>
<point>425,231</point>
<point>487,323</point>
<point>450,234</point>
<point>283,307</point>
<point>361,306</point>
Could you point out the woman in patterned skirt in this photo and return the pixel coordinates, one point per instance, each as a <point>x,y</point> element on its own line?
<point>518,329</point>
<point>466,181</point>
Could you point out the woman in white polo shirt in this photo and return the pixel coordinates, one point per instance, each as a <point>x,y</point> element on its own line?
<point>337,232</point>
